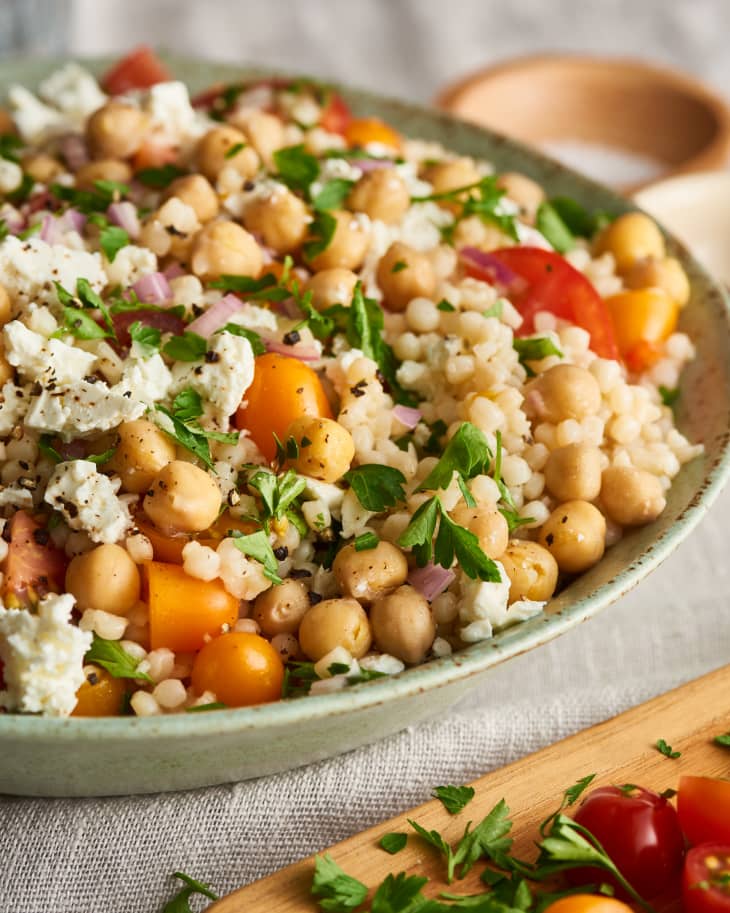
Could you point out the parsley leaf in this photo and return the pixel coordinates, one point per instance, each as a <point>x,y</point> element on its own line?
<point>189,438</point>
<point>298,679</point>
<point>577,219</point>
<point>111,655</point>
<point>482,199</point>
<point>4,230</point>
<point>445,305</point>
<point>365,542</point>
<point>454,798</point>
<point>489,838</point>
<point>257,343</point>
<point>338,892</point>
<point>535,349</point>
<point>402,894</point>
<point>188,347</point>
<point>434,839</point>
<point>377,487</point>
<point>419,533</point>
<point>257,546</point>
<point>296,167</point>
<point>393,843</point>
<point>203,708</point>
<point>10,144</point>
<point>159,178</point>
<point>234,150</point>
<point>147,339</point>
<point>96,200</point>
<point>332,195</point>
<point>80,325</point>
<point>723,740</point>
<point>549,223</point>
<point>321,231</point>
<point>179,903</point>
<point>669,397</point>
<point>111,240</point>
<point>278,493</point>
<point>267,288</point>
<point>187,405</point>
<point>467,453</point>
<point>663,748</point>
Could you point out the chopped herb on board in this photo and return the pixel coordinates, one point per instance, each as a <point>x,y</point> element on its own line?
<point>723,740</point>
<point>337,891</point>
<point>454,798</point>
<point>393,843</point>
<point>663,748</point>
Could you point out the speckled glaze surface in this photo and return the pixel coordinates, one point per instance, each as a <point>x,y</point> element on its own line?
<point>116,756</point>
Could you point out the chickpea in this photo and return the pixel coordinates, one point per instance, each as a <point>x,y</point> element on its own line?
<point>103,170</point>
<point>264,131</point>
<point>42,168</point>
<point>105,578</point>
<point>335,623</point>
<point>666,274</point>
<point>197,192</point>
<point>326,448</point>
<point>348,246</point>
<point>403,625</point>
<point>143,450</point>
<point>280,609</point>
<point>631,497</point>
<point>182,498</point>
<point>532,571</point>
<point>446,176</point>
<point>562,392</point>
<point>573,473</point>
<point>6,307</point>
<point>631,237</point>
<point>575,535</point>
<point>224,247</point>
<point>281,220</point>
<point>401,283</point>
<point>116,130</point>
<point>382,194</point>
<point>487,524</point>
<point>528,194</point>
<point>372,573</point>
<point>213,153</point>
<point>331,286</point>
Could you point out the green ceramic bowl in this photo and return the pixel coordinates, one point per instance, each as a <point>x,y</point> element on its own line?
<point>83,757</point>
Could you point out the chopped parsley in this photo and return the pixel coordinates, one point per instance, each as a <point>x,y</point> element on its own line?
<point>112,239</point>
<point>393,843</point>
<point>257,546</point>
<point>267,288</point>
<point>467,454</point>
<point>257,343</point>
<point>377,487</point>
<point>296,167</point>
<point>111,655</point>
<point>203,708</point>
<point>445,306</point>
<point>321,231</point>
<point>454,798</point>
<point>146,339</point>
<point>337,891</point>
<point>10,145</point>
<point>332,195</point>
<point>669,397</point>
<point>399,266</point>
<point>234,150</point>
<point>722,740</point>
<point>550,224</point>
<point>482,199</point>
<point>188,347</point>
<point>535,349</point>
<point>159,178</point>
<point>279,493</point>
<point>188,406</point>
<point>663,748</point>
<point>365,542</point>
<point>88,201</point>
<point>577,219</point>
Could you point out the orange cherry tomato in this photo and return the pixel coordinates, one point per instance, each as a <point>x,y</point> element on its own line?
<point>169,549</point>
<point>139,69</point>
<point>283,389</point>
<point>642,319</point>
<point>100,695</point>
<point>704,809</point>
<point>154,153</point>
<point>364,130</point>
<point>185,611</point>
<point>588,903</point>
<point>240,668</point>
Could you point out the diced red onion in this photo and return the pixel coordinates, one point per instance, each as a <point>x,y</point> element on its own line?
<point>407,416</point>
<point>216,316</point>
<point>153,289</point>
<point>173,271</point>
<point>365,164</point>
<point>481,260</point>
<point>74,151</point>
<point>302,352</point>
<point>124,214</point>
<point>51,230</point>
<point>430,580</point>
<point>73,220</point>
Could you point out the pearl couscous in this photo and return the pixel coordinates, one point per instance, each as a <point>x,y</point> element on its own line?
<point>291,401</point>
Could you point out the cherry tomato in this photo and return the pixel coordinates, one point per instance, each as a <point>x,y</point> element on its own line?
<point>642,319</point>
<point>169,548</point>
<point>240,668</point>
<point>185,611</point>
<point>140,69</point>
<point>588,903</point>
<point>154,153</point>
<point>283,389</point>
<point>34,566</point>
<point>704,809</point>
<point>336,115</point>
<point>552,284</point>
<point>100,695</point>
<point>364,130</point>
<point>640,832</point>
<point>706,879</point>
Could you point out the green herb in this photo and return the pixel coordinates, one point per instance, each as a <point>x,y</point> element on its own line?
<point>190,438</point>
<point>337,891</point>
<point>267,288</point>
<point>467,454</point>
<point>203,708</point>
<point>147,339</point>
<point>111,240</point>
<point>78,324</point>
<point>180,902</point>
<point>31,230</point>
<point>187,405</point>
<point>445,305</point>
<point>365,542</point>
<point>663,748</point>
<point>321,231</point>
<point>488,839</point>
<point>110,655</point>
<point>188,347</point>
<point>495,310</point>
<point>298,679</point>
<point>393,843</point>
<point>723,740</point>
<point>4,230</point>
<point>535,349</point>
<point>296,167</point>
<point>332,195</point>
<point>234,150</point>
<point>434,839</point>
<point>577,219</point>
<point>320,324</point>
<point>550,224</point>
<point>257,343</point>
<point>399,266</point>
<point>257,546</point>
<point>87,201</point>
<point>365,675</point>
<point>454,798</point>
<point>402,894</point>
<point>22,191</point>
<point>46,447</point>
<point>278,493</point>
<point>10,144</point>
<point>433,444</point>
<point>377,487</point>
<point>101,458</point>
<point>159,178</point>
<point>481,199</point>
<point>88,297</point>
<point>669,397</point>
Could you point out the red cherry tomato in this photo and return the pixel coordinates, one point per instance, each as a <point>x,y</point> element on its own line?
<point>34,566</point>
<point>336,116</point>
<point>552,284</point>
<point>140,69</point>
<point>640,832</point>
<point>704,809</point>
<point>706,879</point>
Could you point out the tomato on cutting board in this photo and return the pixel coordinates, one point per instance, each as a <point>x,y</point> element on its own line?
<point>704,809</point>
<point>640,832</point>
<point>34,566</point>
<point>706,879</point>
<point>551,284</point>
<point>139,69</point>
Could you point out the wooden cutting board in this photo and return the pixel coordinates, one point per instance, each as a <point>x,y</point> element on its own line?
<point>620,750</point>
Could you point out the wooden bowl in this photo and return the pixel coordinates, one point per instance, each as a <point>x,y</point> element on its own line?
<point>636,108</point>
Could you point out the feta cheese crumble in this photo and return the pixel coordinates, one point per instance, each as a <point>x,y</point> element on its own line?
<point>88,500</point>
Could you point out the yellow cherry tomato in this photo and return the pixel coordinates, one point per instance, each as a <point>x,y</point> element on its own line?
<point>364,130</point>
<point>642,319</point>
<point>240,669</point>
<point>588,903</point>
<point>100,695</point>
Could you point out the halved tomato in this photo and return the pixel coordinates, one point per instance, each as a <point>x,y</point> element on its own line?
<point>706,879</point>
<point>551,284</point>
<point>140,69</point>
<point>703,804</point>
<point>34,566</point>
<point>336,115</point>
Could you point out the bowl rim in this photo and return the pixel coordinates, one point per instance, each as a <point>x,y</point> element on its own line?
<point>711,157</point>
<point>436,673</point>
